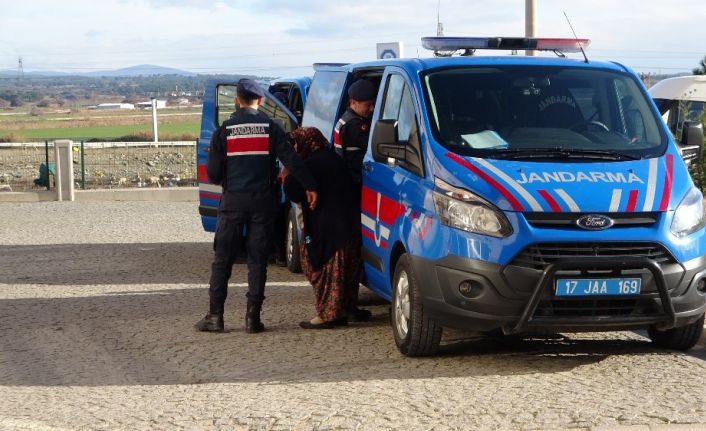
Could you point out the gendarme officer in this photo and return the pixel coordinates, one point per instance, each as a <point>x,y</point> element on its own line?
<point>350,136</point>
<point>242,158</point>
<point>350,139</point>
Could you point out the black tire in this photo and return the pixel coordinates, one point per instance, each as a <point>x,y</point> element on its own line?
<point>291,243</point>
<point>422,335</point>
<point>682,338</point>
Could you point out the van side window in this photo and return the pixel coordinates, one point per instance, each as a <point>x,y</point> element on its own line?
<point>399,105</point>
<point>225,103</point>
<point>321,110</point>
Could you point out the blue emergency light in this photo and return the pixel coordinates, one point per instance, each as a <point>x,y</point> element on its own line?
<point>442,43</point>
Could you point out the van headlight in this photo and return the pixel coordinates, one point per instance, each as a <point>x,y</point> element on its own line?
<point>689,215</point>
<point>461,209</point>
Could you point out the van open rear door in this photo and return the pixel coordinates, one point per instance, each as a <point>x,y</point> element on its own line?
<point>218,105</point>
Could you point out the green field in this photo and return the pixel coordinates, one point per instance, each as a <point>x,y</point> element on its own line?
<point>85,124</point>
<point>102,132</point>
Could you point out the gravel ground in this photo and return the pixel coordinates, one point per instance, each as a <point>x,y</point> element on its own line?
<point>97,301</point>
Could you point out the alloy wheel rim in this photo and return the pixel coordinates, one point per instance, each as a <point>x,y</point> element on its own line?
<point>290,241</point>
<point>402,305</point>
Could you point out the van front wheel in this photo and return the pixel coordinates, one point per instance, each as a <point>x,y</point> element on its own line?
<point>682,338</point>
<point>415,333</point>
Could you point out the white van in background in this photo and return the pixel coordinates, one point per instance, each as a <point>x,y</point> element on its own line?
<point>680,100</point>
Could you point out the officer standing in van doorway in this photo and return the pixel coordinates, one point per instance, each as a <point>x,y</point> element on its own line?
<point>350,136</point>
<point>350,140</point>
<point>241,158</point>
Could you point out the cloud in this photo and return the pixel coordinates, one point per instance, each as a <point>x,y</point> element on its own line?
<point>274,34</point>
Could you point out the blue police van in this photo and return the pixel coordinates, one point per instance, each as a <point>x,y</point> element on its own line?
<point>284,102</point>
<point>521,194</point>
<point>511,194</point>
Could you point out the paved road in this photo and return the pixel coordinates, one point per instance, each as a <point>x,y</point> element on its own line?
<point>97,301</point>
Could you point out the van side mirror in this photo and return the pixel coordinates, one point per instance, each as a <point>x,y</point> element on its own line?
<point>692,134</point>
<point>692,141</point>
<point>386,142</point>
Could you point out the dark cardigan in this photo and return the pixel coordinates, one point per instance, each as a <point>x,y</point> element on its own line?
<point>336,220</point>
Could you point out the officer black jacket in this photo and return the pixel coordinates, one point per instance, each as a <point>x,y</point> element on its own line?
<point>242,159</point>
<point>350,140</point>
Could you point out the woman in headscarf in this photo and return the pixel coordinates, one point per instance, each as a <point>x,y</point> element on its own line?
<point>330,251</point>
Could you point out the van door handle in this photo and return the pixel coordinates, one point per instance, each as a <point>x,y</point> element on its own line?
<point>368,167</point>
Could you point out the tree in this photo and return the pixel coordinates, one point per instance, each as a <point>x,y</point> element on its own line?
<point>701,70</point>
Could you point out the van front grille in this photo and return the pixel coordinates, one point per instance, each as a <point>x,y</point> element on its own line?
<point>539,256</point>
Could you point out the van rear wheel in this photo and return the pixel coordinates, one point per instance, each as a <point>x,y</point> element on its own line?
<point>415,333</point>
<point>682,338</point>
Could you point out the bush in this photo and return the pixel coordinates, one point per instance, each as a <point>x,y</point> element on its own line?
<point>12,138</point>
<point>147,137</point>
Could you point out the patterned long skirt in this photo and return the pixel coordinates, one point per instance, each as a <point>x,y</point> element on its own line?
<point>336,283</point>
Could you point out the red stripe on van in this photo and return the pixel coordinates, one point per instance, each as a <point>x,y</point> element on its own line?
<point>203,176</point>
<point>667,189</point>
<point>371,236</point>
<point>510,198</point>
<point>632,201</point>
<point>550,200</point>
<point>209,195</point>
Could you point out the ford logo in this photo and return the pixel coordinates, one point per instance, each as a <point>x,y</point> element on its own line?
<point>594,222</point>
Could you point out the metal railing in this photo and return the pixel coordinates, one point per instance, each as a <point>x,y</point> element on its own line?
<point>30,166</point>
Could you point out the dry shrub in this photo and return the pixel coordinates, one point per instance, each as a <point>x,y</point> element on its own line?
<point>12,138</point>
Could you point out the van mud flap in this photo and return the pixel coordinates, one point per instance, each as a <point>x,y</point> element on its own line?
<point>668,318</point>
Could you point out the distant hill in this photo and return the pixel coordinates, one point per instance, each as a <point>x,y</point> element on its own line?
<point>140,70</point>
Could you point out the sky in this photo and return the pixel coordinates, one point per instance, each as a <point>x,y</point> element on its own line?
<point>285,37</point>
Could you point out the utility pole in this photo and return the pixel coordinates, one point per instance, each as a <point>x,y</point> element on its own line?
<point>154,121</point>
<point>530,20</point>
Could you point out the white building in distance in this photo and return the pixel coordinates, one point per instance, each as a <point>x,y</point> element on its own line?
<point>115,106</point>
<point>148,105</point>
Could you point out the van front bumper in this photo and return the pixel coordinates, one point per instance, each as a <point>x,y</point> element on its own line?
<point>522,299</point>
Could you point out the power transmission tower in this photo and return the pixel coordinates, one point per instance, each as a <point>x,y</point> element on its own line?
<point>20,69</point>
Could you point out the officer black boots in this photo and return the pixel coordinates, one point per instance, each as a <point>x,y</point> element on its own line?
<point>213,322</point>
<point>253,324</point>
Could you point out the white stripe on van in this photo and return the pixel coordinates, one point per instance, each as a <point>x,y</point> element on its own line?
<point>518,188</point>
<point>567,199</point>
<point>211,188</point>
<point>651,185</point>
<point>615,200</point>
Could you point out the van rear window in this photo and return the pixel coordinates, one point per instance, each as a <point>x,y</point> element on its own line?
<point>493,112</point>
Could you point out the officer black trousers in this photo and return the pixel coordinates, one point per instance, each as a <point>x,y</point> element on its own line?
<point>238,231</point>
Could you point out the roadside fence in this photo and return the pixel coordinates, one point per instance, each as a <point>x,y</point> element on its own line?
<point>100,165</point>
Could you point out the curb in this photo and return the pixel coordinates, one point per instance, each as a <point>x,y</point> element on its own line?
<point>172,194</point>
<point>665,427</point>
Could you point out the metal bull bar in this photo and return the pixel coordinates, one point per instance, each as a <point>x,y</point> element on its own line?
<point>583,264</point>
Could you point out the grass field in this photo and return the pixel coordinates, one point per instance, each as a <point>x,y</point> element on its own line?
<point>85,133</point>
<point>173,124</point>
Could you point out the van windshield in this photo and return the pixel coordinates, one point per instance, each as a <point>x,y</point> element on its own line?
<point>542,112</point>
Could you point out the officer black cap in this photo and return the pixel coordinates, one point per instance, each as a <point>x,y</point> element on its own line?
<point>362,90</point>
<point>249,88</point>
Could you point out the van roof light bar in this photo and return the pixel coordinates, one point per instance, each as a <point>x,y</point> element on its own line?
<point>441,44</point>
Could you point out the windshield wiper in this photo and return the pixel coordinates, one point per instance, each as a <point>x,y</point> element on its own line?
<point>559,153</point>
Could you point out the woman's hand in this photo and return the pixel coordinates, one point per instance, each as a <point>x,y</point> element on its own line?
<point>311,198</point>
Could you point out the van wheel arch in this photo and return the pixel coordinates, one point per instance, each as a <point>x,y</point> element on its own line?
<point>397,251</point>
